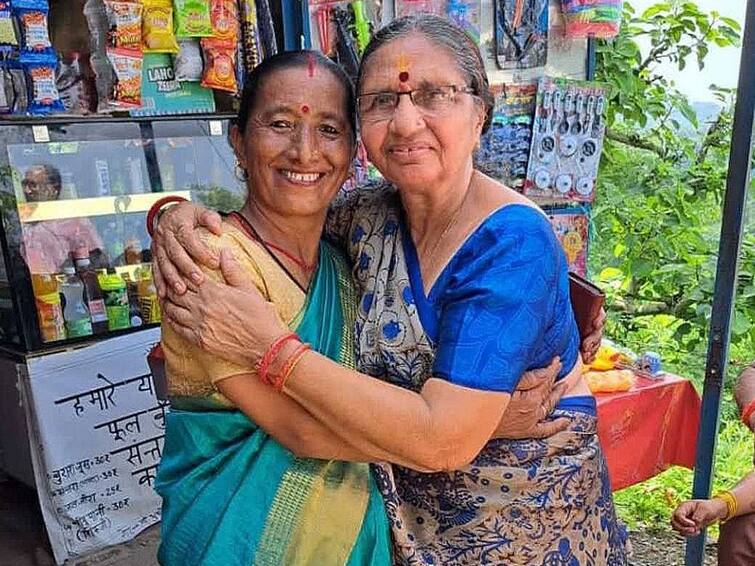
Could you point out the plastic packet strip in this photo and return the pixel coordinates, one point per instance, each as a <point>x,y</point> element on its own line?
<point>157,27</point>
<point>250,37</point>
<point>192,18</point>
<point>124,25</point>
<point>224,15</point>
<point>127,88</point>
<point>35,37</point>
<point>219,65</point>
<point>43,93</point>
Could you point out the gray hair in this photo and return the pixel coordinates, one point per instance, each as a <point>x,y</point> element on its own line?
<point>447,36</point>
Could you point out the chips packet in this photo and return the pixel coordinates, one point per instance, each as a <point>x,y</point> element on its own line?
<point>8,38</point>
<point>188,62</point>
<point>249,35</point>
<point>127,89</point>
<point>31,16</point>
<point>219,65</point>
<point>224,15</point>
<point>43,94</point>
<point>124,25</point>
<point>192,18</point>
<point>157,27</point>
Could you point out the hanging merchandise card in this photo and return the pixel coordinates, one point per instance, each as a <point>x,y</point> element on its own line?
<point>592,18</point>
<point>505,147</point>
<point>521,33</point>
<point>163,94</point>
<point>567,140</point>
<point>571,226</point>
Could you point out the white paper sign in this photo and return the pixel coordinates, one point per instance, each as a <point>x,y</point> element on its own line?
<point>96,437</point>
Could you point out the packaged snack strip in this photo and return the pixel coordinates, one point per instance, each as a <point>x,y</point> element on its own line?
<point>157,27</point>
<point>43,94</point>
<point>8,39</point>
<point>35,39</point>
<point>224,15</point>
<point>127,90</point>
<point>188,63</point>
<point>193,18</point>
<point>124,25</point>
<point>249,35</point>
<point>219,65</point>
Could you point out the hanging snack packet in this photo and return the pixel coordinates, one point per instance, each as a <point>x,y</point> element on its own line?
<point>219,65</point>
<point>157,27</point>
<point>188,63</point>
<point>43,94</point>
<point>224,15</point>
<point>8,39</point>
<point>124,25</point>
<point>32,22</point>
<point>193,18</point>
<point>249,35</point>
<point>127,90</point>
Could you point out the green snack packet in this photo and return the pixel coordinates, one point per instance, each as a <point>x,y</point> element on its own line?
<point>193,18</point>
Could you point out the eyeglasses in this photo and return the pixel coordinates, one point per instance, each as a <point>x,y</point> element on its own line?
<point>431,101</point>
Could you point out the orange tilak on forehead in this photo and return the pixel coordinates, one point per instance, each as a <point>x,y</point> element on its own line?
<point>402,66</point>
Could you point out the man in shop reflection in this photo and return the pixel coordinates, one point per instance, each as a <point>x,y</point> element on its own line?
<point>49,244</point>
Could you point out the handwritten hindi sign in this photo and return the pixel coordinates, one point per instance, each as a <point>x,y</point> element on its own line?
<point>97,433</point>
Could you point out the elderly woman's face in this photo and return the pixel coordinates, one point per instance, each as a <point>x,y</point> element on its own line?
<point>411,146</point>
<point>298,145</point>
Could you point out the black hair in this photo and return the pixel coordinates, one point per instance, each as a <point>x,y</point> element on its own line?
<point>446,35</point>
<point>293,60</point>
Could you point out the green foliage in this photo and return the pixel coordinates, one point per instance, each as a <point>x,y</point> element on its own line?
<point>657,220</point>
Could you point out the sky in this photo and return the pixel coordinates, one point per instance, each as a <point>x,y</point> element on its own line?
<point>721,65</point>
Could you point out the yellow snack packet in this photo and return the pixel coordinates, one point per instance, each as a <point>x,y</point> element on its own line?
<point>157,27</point>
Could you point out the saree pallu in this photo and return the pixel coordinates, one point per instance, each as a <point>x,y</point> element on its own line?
<point>521,502</point>
<point>233,496</point>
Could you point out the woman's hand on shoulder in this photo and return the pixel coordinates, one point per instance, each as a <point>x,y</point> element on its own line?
<point>177,248</point>
<point>231,320</point>
<point>532,403</point>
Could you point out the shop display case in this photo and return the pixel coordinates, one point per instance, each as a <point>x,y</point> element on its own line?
<point>74,200</point>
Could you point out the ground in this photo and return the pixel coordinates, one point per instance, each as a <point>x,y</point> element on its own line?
<point>22,540</point>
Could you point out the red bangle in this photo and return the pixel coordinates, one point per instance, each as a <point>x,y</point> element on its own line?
<point>748,412</point>
<point>155,209</point>
<point>263,365</point>
<point>290,364</point>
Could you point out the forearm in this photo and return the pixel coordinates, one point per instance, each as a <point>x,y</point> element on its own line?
<point>287,421</point>
<point>430,431</point>
<point>744,491</point>
<point>744,392</point>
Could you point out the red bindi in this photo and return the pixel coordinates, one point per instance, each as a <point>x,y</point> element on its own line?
<point>305,108</point>
<point>403,76</point>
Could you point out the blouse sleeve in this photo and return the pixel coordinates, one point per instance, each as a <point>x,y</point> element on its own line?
<point>499,302</point>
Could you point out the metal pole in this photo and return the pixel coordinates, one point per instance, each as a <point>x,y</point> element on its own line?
<point>737,181</point>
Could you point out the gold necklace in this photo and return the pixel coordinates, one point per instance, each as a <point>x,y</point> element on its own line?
<point>452,221</point>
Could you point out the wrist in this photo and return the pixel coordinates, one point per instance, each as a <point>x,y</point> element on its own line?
<point>720,509</point>
<point>730,502</point>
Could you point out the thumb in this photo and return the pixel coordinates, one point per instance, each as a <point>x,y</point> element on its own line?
<point>549,428</point>
<point>210,220</point>
<point>232,272</point>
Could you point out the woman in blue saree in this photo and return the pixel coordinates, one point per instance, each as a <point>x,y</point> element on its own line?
<point>463,287</point>
<point>232,493</point>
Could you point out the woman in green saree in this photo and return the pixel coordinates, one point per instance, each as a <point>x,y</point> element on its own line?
<point>238,477</point>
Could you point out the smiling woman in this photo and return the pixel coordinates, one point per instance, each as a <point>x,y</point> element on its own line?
<point>232,494</point>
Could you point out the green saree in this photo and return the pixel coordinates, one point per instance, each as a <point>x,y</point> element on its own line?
<point>233,496</point>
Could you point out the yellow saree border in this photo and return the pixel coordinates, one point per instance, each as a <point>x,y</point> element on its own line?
<point>317,512</point>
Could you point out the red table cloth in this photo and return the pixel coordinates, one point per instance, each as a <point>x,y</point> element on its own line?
<point>649,428</point>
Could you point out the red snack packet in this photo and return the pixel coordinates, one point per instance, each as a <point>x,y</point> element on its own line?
<point>219,65</point>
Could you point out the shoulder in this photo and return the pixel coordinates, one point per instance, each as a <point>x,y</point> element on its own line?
<point>250,255</point>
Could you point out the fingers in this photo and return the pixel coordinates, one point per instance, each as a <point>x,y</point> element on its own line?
<point>197,250</point>
<point>541,377</point>
<point>549,428</point>
<point>209,219</point>
<point>171,277</point>
<point>157,277</point>
<point>554,397</point>
<point>234,275</point>
<point>177,315</point>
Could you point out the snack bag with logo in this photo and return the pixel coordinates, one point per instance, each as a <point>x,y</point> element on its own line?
<point>8,39</point>
<point>124,25</point>
<point>157,27</point>
<point>32,23</point>
<point>43,94</point>
<point>219,65</point>
<point>188,61</point>
<point>225,19</point>
<point>193,18</point>
<point>127,89</point>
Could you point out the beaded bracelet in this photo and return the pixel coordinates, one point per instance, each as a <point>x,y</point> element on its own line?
<point>263,365</point>
<point>155,209</point>
<point>747,413</point>
<point>731,503</point>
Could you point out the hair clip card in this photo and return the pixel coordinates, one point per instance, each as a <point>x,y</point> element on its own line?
<point>567,140</point>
